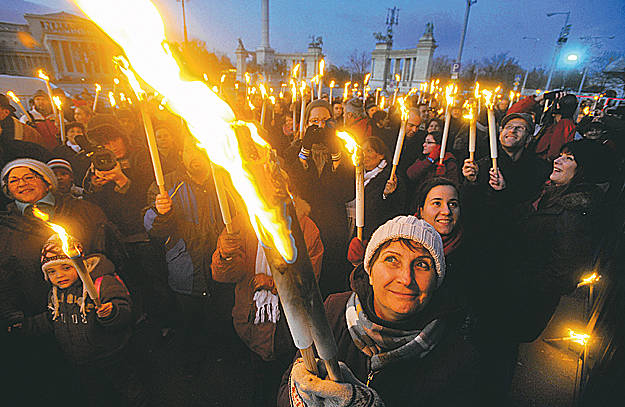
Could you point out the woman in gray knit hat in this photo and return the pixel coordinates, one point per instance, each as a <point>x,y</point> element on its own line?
<point>394,344</point>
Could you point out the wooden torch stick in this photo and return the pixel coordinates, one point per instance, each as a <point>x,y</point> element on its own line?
<point>223,199</point>
<point>149,132</point>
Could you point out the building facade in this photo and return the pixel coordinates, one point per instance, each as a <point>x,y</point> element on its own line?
<point>413,65</point>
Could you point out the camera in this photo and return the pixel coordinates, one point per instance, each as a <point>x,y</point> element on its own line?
<point>102,158</point>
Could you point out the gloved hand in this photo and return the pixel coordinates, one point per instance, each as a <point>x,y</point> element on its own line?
<point>334,144</point>
<point>441,169</point>
<point>314,391</point>
<point>435,153</point>
<point>356,251</point>
<point>313,135</point>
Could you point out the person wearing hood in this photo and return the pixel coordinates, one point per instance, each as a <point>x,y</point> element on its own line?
<point>13,129</point>
<point>394,346</point>
<point>42,117</point>
<point>93,338</point>
<point>322,174</point>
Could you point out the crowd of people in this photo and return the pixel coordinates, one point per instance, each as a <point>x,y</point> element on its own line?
<point>458,262</point>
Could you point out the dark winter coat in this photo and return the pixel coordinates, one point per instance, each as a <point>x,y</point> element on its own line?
<point>377,209</point>
<point>123,207</point>
<point>444,377</point>
<point>549,251</point>
<point>90,339</point>
<point>189,231</point>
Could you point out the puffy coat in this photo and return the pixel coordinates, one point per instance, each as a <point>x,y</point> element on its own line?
<point>90,339</point>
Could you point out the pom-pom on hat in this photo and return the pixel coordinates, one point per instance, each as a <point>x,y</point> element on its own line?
<point>37,166</point>
<point>410,228</point>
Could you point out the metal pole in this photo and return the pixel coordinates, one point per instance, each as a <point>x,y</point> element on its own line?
<point>464,29</point>
<point>528,69</point>
<point>184,24</point>
<point>558,47</point>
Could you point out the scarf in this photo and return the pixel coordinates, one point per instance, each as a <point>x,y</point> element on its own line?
<point>369,175</point>
<point>73,146</point>
<point>267,309</point>
<point>387,345</point>
<point>453,240</point>
<point>321,155</point>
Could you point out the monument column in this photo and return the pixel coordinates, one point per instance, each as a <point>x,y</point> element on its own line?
<point>425,53</point>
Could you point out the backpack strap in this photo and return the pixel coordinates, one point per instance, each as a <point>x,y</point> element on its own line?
<point>98,283</point>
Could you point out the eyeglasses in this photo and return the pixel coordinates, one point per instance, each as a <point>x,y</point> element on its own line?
<point>429,142</point>
<point>316,121</point>
<point>28,178</point>
<point>515,128</point>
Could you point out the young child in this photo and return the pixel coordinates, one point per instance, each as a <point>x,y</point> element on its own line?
<point>94,340</point>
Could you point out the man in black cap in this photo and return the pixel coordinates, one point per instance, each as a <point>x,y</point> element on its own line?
<point>323,175</point>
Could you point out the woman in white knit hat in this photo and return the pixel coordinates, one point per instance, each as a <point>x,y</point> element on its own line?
<point>391,332</point>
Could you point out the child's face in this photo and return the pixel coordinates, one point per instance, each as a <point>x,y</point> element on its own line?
<point>62,275</point>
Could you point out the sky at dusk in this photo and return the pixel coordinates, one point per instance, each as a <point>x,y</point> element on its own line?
<point>495,26</point>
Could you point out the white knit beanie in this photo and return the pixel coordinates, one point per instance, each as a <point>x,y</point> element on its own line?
<point>37,166</point>
<point>410,228</point>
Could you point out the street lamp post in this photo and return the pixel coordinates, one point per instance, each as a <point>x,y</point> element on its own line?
<point>464,29</point>
<point>528,69</point>
<point>184,22</point>
<point>561,41</point>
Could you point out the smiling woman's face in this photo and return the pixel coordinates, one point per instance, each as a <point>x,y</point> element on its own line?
<point>441,209</point>
<point>563,169</point>
<point>403,278</point>
<point>26,186</point>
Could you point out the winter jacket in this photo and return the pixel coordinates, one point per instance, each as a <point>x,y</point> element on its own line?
<point>90,339</point>
<point>266,339</point>
<point>13,129</point>
<point>22,285</point>
<point>549,250</point>
<point>444,377</point>
<point>123,206</point>
<point>45,127</point>
<point>189,230</point>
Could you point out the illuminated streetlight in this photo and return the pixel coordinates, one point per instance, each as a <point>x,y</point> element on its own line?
<point>562,39</point>
<point>572,57</point>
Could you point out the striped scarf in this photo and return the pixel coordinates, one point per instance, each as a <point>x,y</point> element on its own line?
<point>387,345</point>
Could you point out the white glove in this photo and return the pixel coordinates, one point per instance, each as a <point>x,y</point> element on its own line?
<point>308,390</point>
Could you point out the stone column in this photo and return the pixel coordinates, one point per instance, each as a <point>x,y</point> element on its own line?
<point>241,54</point>
<point>425,53</point>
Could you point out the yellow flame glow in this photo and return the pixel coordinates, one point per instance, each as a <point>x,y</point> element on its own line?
<point>450,93</point>
<point>366,81</point>
<point>116,81</point>
<point>332,84</point>
<point>322,67</point>
<point>497,89</point>
<point>293,90</point>
<point>43,76</point>
<point>469,110</point>
<point>586,110</point>
<point>122,97</point>
<point>477,90</point>
<point>68,247</point>
<point>412,92</point>
<point>591,279</point>
<point>223,78</point>
<point>382,102</point>
<point>345,89</point>
<point>488,98</point>
<point>295,69</point>
<point>580,338</point>
<point>112,100</point>
<point>512,95</point>
<point>12,96</point>
<point>351,145</point>
<point>57,101</point>
<point>263,90</point>
<point>405,112</point>
<point>273,99</point>
<point>98,87</point>
<point>138,28</point>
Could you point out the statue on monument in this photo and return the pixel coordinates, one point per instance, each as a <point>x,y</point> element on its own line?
<point>315,42</point>
<point>429,28</point>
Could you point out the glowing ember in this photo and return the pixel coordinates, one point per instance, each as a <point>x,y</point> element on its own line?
<point>116,81</point>
<point>12,96</point>
<point>591,279</point>
<point>57,101</point>
<point>582,339</point>
<point>351,145</point>
<point>138,28</point>
<point>68,246</point>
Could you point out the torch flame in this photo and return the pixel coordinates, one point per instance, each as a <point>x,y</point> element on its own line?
<point>366,81</point>
<point>469,107</point>
<point>586,110</point>
<point>332,84</point>
<point>488,98</point>
<point>303,88</point>
<point>293,90</point>
<point>295,69</point>
<point>345,89</point>
<point>582,339</point>
<point>248,78</point>
<point>98,87</point>
<point>322,66</point>
<point>122,97</point>
<point>432,86</point>
<point>43,76</point>
<point>223,78</point>
<point>116,81</point>
<point>138,28</point>
<point>477,90</point>
<point>591,279</point>
<point>450,92</point>
<point>57,101</point>
<point>12,96</point>
<point>512,95</point>
<point>405,112</point>
<point>112,100</point>
<point>351,145</point>
<point>263,90</point>
<point>68,245</point>
<point>272,98</point>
